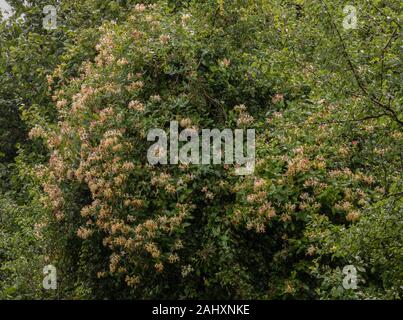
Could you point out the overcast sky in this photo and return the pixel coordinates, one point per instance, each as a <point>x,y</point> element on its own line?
<point>4,6</point>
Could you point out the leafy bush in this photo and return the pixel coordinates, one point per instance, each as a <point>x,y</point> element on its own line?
<point>325,192</point>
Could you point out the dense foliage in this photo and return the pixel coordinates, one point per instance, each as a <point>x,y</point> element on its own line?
<point>76,190</point>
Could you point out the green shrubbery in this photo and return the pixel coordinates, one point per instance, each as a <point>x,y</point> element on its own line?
<point>325,193</point>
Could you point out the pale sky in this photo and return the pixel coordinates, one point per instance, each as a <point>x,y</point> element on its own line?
<point>4,7</point>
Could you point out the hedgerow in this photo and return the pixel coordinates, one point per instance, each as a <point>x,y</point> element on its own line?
<point>326,190</point>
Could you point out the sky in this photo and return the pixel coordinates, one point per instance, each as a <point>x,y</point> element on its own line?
<point>4,6</point>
